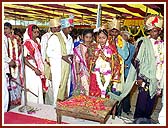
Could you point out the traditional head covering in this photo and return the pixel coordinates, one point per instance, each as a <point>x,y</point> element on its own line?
<point>28,33</point>
<point>67,22</point>
<point>154,21</point>
<point>114,24</point>
<point>54,22</point>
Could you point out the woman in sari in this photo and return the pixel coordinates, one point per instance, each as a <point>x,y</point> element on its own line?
<point>106,66</point>
<point>34,67</point>
<point>81,72</point>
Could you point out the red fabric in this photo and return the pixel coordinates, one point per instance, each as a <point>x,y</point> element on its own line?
<point>30,47</point>
<point>43,80</point>
<point>30,31</point>
<point>94,89</point>
<point>155,20</point>
<point>16,118</point>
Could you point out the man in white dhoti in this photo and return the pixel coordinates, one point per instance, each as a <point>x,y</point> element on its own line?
<point>55,26</point>
<point>59,51</point>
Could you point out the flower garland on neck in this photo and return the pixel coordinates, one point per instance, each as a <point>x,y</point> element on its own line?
<point>159,58</point>
<point>103,67</point>
<point>119,41</point>
<point>13,54</point>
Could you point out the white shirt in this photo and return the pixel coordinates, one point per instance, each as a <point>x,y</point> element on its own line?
<point>69,42</point>
<point>54,47</point>
<point>6,59</point>
<point>44,41</point>
<point>54,53</point>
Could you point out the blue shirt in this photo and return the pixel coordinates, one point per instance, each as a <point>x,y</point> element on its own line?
<point>124,52</point>
<point>131,49</point>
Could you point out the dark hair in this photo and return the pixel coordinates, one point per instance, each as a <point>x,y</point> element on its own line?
<point>104,31</point>
<point>7,24</point>
<point>17,32</point>
<point>35,27</point>
<point>86,31</point>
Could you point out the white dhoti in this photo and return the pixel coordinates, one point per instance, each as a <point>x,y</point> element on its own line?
<point>56,77</point>
<point>5,93</point>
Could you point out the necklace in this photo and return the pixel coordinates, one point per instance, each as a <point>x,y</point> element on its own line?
<point>103,68</point>
<point>159,58</point>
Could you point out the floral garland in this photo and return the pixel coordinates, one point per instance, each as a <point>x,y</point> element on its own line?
<point>13,53</point>
<point>119,41</point>
<point>103,67</point>
<point>140,29</point>
<point>159,58</point>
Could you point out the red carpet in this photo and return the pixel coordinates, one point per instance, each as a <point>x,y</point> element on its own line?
<point>16,118</point>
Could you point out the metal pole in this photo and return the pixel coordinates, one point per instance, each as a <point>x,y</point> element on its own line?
<point>98,22</point>
<point>15,18</point>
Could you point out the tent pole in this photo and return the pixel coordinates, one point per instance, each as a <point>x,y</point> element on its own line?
<point>82,19</point>
<point>63,11</point>
<point>98,22</point>
<point>146,11</point>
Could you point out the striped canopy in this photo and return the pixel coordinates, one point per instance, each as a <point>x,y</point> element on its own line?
<point>84,13</point>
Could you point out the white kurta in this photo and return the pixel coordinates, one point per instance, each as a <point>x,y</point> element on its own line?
<point>54,54</point>
<point>43,43</point>
<point>5,68</point>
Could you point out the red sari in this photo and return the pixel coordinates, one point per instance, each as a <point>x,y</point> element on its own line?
<point>94,89</point>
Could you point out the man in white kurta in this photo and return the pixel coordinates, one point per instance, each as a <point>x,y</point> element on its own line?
<point>6,60</point>
<point>55,55</point>
<point>55,26</point>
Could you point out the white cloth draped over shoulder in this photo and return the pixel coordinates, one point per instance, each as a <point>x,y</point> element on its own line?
<point>55,57</point>
<point>43,43</point>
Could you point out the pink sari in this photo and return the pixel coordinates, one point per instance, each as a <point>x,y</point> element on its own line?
<point>83,85</point>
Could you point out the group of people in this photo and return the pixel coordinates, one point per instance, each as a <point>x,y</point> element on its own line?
<point>101,62</point>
